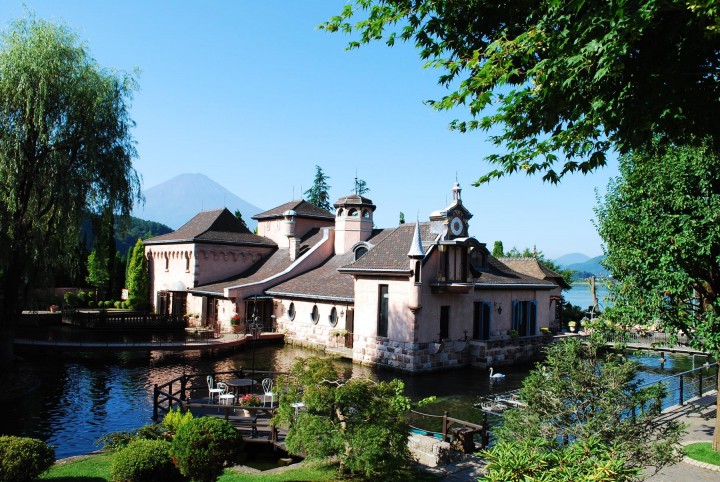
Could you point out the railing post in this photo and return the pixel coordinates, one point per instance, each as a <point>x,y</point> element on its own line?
<point>486,432</point>
<point>700,375</point>
<point>156,396</point>
<point>183,386</point>
<point>170,392</point>
<point>681,390</point>
<point>445,426</point>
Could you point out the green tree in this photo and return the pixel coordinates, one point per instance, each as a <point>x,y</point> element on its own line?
<point>238,215</point>
<point>582,396</point>
<point>98,274</point>
<point>560,84</point>
<point>498,250</point>
<point>319,193</point>
<point>402,217</point>
<point>65,149</point>
<point>359,421</point>
<point>659,222</point>
<point>361,187</point>
<point>138,282</point>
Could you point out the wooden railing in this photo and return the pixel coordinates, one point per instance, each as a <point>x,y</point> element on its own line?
<point>121,319</point>
<point>447,422</point>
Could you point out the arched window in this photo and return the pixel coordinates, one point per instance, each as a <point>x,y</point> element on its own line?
<point>291,311</point>
<point>187,263</point>
<point>340,212</point>
<point>333,318</point>
<point>360,252</point>
<point>315,315</point>
<point>167,262</point>
<point>353,212</point>
<point>417,271</point>
<point>366,213</point>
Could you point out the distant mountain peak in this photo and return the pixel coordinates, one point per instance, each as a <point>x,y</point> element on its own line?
<point>571,258</point>
<point>178,199</point>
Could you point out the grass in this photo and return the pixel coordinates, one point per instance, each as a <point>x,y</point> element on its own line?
<point>703,452</point>
<point>96,468</point>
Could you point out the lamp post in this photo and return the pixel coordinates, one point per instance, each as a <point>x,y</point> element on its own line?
<point>256,328</point>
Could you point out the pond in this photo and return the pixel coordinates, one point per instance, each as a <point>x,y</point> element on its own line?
<point>84,396</point>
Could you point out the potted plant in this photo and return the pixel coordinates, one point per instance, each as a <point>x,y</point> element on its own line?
<point>545,331</point>
<point>572,325</point>
<point>235,323</point>
<point>513,334</point>
<point>249,400</point>
<point>54,308</point>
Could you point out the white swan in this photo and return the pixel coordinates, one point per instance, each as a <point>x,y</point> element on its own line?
<point>496,376</point>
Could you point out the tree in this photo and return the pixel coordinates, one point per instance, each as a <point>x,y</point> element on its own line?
<point>402,218</point>
<point>238,215</point>
<point>65,149</point>
<point>138,282</point>
<point>582,397</point>
<point>359,421</point>
<point>361,187</point>
<point>319,193</point>
<point>498,250</point>
<point>98,274</point>
<point>659,222</point>
<point>560,84</point>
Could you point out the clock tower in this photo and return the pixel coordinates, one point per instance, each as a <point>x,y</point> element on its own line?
<point>455,216</point>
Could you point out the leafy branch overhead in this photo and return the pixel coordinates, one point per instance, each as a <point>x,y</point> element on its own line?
<point>559,85</point>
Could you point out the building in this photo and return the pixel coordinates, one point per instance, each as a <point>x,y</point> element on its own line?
<point>417,297</point>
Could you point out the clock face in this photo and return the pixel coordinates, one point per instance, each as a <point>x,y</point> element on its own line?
<point>456,226</point>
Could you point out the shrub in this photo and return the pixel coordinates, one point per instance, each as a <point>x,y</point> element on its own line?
<point>175,419</point>
<point>71,299</point>
<point>144,461</point>
<point>119,440</point>
<point>126,304</point>
<point>118,304</point>
<point>24,459</point>
<point>83,298</point>
<point>203,446</point>
<point>91,304</point>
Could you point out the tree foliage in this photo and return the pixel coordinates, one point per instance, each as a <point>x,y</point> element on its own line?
<point>138,279</point>
<point>558,85</point>
<point>660,222</point>
<point>65,147</point>
<point>238,215</point>
<point>498,249</point>
<point>319,193</point>
<point>583,397</point>
<point>359,421</point>
<point>361,187</point>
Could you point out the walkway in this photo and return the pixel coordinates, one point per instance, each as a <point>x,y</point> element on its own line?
<point>223,342</point>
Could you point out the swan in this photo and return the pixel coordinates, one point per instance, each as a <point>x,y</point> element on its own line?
<point>496,376</point>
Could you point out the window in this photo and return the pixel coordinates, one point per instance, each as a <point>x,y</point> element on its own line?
<point>167,263</point>
<point>444,322</point>
<point>455,263</point>
<point>353,212</point>
<point>291,311</point>
<point>481,320</point>
<point>524,318</point>
<point>366,214</point>
<point>187,263</point>
<point>383,302</point>
<point>417,271</point>
<point>315,315</point>
<point>333,318</point>
<point>340,212</point>
<point>360,252</point>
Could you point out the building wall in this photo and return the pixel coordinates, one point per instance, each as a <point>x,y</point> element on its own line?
<point>169,268</point>
<point>302,330</point>
<point>277,229</point>
<point>216,262</point>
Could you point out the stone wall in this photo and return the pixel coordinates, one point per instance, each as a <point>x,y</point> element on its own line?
<point>423,357</point>
<point>429,451</point>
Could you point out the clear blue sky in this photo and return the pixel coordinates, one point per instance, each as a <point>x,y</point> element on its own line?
<point>251,94</point>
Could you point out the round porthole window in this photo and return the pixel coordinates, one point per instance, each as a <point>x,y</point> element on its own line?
<point>291,311</point>
<point>333,318</point>
<point>315,315</point>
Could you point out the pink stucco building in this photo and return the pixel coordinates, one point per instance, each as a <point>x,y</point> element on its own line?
<point>416,297</point>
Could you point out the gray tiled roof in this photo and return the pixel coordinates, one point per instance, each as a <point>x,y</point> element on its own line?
<point>217,226</point>
<point>270,266</point>
<point>391,253</point>
<point>301,207</point>
<point>533,268</point>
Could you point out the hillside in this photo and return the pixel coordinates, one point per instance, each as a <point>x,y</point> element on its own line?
<point>591,267</point>
<point>571,258</point>
<point>176,201</point>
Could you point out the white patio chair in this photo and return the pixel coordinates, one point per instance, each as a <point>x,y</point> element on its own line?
<point>212,389</point>
<point>267,385</point>
<point>225,398</point>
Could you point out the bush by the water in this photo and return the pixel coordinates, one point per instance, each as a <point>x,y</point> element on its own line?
<point>144,461</point>
<point>175,419</point>
<point>119,440</point>
<point>203,446</point>
<point>23,458</point>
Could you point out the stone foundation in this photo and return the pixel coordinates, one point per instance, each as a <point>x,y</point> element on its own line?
<point>429,451</point>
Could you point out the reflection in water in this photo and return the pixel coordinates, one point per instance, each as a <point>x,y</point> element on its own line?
<point>86,395</point>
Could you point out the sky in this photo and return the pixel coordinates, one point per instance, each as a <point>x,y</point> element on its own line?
<point>253,95</point>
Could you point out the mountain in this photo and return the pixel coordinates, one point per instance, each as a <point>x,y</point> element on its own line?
<point>177,200</point>
<point>589,268</point>
<point>571,258</point>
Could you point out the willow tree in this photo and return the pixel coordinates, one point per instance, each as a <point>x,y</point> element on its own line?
<point>559,84</point>
<point>65,149</point>
<point>660,222</point>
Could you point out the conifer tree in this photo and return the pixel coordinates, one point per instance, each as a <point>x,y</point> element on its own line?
<point>319,193</point>
<point>138,281</point>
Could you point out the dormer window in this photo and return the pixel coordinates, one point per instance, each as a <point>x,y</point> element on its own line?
<point>360,252</point>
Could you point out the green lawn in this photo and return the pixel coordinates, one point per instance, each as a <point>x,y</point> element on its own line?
<point>703,452</point>
<point>96,468</point>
